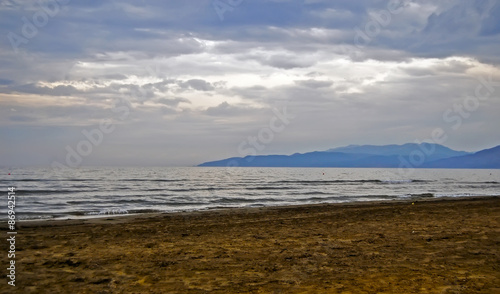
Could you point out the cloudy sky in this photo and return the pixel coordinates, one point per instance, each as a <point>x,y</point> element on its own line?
<point>144,82</point>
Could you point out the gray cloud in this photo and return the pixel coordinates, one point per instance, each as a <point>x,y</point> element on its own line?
<point>173,102</point>
<point>225,109</point>
<point>5,82</point>
<point>21,118</point>
<point>197,84</point>
<point>188,79</point>
<point>34,89</point>
<point>314,83</point>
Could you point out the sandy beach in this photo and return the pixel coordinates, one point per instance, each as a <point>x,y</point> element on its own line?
<point>417,246</point>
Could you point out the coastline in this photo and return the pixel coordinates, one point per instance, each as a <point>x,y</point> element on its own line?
<point>124,218</point>
<point>436,245</point>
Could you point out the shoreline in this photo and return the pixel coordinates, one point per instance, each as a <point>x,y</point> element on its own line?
<point>121,218</point>
<point>433,246</point>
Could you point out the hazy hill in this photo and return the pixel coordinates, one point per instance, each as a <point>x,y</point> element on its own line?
<point>488,158</point>
<point>432,151</point>
<point>389,156</point>
<point>311,159</point>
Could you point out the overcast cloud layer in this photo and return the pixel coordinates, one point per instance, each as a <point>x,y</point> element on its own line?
<point>182,83</point>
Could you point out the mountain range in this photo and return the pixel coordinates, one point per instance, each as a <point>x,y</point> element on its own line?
<point>423,155</point>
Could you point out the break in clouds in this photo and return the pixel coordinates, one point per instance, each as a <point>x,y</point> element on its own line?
<point>175,83</point>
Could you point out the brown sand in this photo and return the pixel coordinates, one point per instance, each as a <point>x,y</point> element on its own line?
<point>437,246</point>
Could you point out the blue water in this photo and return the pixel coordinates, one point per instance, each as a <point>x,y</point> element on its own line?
<point>89,192</point>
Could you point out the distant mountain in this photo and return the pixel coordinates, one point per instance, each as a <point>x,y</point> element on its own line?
<point>432,151</point>
<point>311,159</point>
<point>388,156</point>
<point>488,158</point>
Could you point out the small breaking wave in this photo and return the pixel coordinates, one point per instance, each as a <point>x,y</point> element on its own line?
<point>109,211</point>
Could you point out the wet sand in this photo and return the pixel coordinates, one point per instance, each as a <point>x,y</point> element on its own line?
<point>432,246</point>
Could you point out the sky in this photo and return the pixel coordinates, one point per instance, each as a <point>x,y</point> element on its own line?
<point>178,83</point>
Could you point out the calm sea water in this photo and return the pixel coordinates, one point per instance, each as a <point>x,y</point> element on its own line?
<point>89,192</point>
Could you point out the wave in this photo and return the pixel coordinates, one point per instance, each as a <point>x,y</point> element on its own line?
<point>350,181</point>
<point>310,193</point>
<point>101,201</point>
<point>153,180</point>
<point>269,188</point>
<point>109,211</point>
<point>22,192</point>
<point>96,190</point>
<point>324,181</point>
<point>420,195</point>
<point>487,182</point>
<point>50,180</point>
<point>405,181</point>
<point>243,200</point>
<point>194,189</point>
<point>90,180</point>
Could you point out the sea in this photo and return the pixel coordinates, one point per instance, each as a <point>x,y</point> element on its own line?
<point>87,192</point>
